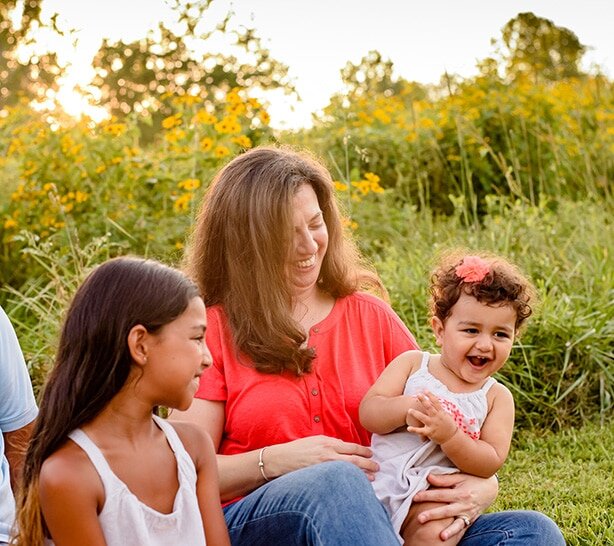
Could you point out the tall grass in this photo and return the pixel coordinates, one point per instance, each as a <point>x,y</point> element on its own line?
<point>561,369</point>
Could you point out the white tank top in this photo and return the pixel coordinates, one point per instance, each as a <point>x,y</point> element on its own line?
<point>126,521</point>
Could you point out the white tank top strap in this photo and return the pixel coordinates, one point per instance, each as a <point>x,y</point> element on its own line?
<point>185,464</point>
<point>95,455</point>
<point>424,364</point>
<point>489,383</point>
<point>170,433</point>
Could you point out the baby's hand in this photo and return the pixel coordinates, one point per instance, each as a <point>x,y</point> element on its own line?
<point>434,422</point>
<point>414,404</point>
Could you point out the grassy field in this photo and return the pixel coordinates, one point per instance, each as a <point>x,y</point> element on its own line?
<point>567,475</point>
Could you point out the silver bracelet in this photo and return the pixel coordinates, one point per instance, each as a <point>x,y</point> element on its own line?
<point>261,464</point>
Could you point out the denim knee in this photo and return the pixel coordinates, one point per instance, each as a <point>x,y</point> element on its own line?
<point>513,528</point>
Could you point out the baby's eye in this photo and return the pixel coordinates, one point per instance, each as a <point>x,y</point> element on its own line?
<point>503,335</point>
<point>471,330</point>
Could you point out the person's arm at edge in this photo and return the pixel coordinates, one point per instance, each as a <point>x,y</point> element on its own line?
<point>15,447</point>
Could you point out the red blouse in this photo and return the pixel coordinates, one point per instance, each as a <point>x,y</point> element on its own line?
<point>353,344</point>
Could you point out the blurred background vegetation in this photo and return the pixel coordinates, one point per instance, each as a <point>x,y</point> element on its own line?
<point>517,160</point>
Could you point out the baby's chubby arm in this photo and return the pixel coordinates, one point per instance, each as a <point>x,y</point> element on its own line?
<point>385,408</point>
<point>481,457</point>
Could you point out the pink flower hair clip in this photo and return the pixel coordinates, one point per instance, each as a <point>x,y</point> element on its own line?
<point>472,269</point>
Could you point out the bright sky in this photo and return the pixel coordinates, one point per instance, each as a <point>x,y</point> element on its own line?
<point>316,38</point>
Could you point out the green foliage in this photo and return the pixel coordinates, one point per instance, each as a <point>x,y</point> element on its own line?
<point>561,370</point>
<point>476,138</point>
<point>569,476</point>
<point>536,47</point>
<point>169,61</point>
<point>97,179</point>
<point>25,71</point>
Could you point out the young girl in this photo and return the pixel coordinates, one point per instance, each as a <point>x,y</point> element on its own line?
<point>101,467</point>
<point>458,416</point>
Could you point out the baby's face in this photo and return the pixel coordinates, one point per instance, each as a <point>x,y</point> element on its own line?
<point>476,339</point>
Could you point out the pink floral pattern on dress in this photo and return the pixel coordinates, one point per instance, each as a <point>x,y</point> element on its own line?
<point>468,426</point>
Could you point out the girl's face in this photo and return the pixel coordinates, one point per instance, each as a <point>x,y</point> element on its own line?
<point>476,339</point>
<point>310,241</point>
<point>179,355</point>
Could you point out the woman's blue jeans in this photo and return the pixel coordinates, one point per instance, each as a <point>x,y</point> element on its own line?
<point>333,504</point>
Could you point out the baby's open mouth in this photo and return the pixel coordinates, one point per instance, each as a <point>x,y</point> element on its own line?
<point>478,360</point>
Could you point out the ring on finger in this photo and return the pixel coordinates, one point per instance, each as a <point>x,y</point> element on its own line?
<point>465,519</point>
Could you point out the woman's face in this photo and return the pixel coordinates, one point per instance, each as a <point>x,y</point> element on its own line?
<point>310,241</point>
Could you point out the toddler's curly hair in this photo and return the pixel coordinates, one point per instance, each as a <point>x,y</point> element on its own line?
<point>500,283</point>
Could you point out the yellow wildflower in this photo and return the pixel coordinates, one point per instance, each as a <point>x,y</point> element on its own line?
<point>364,186</point>
<point>189,184</point>
<point>115,129</point>
<point>221,151</point>
<point>182,202</point>
<point>81,197</point>
<point>373,181</point>
<point>101,168</point>
<point>229,125</point>
<point>204,117</point>
<point>264,117</point>
<point>174,135</point>
<point>340,186</point>
<point>235,108</point>
<point>172,121</point>
<point>243,141</point>
<point>178,245</point>
<point>10,223</point>
<point>206,144</point>
<point>382,116</point>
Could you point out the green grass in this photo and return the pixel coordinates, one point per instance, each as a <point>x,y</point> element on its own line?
<point>568,475</point>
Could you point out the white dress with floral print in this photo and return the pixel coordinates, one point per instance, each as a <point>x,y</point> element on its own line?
<point>406,459</point>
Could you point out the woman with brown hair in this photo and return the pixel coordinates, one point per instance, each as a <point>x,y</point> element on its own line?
<point>296,344</point>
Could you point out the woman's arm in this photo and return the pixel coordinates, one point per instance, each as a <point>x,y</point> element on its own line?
<point>384,408</point>
<point>481,457</point>
<point>71,496</point>
<point>240,473</point>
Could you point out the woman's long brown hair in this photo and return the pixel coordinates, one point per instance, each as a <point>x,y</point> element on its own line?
<point>93,361</point>
<point>240,245</point>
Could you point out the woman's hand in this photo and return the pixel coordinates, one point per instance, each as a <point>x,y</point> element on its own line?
<point>283,458</point>
<point>462,494</point>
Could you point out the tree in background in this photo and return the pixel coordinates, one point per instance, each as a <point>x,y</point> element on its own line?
<point>25,72</point>
<point>536,47</point>
<point>137,76</point>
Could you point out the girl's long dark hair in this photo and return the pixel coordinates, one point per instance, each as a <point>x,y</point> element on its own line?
<point>93,359</point>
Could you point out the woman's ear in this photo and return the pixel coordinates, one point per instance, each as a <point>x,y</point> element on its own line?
<point>438,327</point>
<point>137,343</point>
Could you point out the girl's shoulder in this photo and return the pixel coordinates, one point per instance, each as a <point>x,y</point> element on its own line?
<point>69,473</point>
<point>195,440</point>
